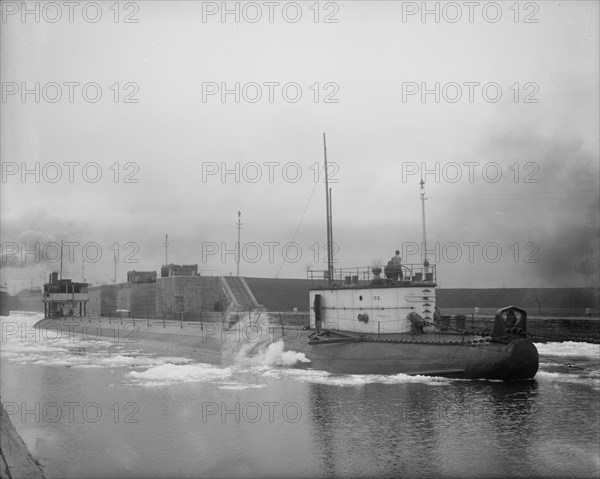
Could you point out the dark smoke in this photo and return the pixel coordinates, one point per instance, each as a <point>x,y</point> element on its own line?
<point>36,231</point>
<point>559,212</point>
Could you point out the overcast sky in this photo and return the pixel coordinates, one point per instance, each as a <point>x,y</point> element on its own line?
<point>192,114</point>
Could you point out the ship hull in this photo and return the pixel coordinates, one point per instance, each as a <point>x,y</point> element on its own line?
<point>446,356</point>
<point>517,359</point>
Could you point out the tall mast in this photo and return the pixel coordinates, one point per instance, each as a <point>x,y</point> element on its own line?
<point>425,262</point>
<point>61,258</point>
<point>239,228</point>
<point>328,216</point>
<point>331,225</point>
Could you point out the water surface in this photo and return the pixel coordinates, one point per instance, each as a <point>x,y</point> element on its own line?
<point>103,408</point>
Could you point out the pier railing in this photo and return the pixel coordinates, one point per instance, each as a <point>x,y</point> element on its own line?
<point>375,276</point>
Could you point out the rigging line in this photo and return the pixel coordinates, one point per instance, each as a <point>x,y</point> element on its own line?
<point>299,224</point>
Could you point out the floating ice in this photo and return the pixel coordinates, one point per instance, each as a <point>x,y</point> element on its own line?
<point>323,377</point>
<point>569,348</point>
<point>173,373</point>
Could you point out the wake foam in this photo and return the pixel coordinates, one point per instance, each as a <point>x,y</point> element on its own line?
<point>255,345</point>
<point>272,354</point>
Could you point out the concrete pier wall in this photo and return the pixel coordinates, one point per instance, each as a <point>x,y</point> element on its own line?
<point>190,295</point>
<point>102,300</point>
<point>166,298</point>
<point>16,460</point>
<point>137,298</point>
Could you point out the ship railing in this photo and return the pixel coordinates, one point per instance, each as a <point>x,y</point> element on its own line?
<point>374,276</point>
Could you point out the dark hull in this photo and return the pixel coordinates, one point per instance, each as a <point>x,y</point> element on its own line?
<point>517,359</point>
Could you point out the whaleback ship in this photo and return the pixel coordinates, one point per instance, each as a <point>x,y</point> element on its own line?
<point>364,324</point>
<point>361,323</point>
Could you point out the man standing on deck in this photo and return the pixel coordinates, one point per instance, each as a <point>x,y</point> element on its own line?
<point>397,266</point>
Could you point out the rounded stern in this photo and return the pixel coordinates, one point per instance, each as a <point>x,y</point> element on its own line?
<point>523,360</point>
